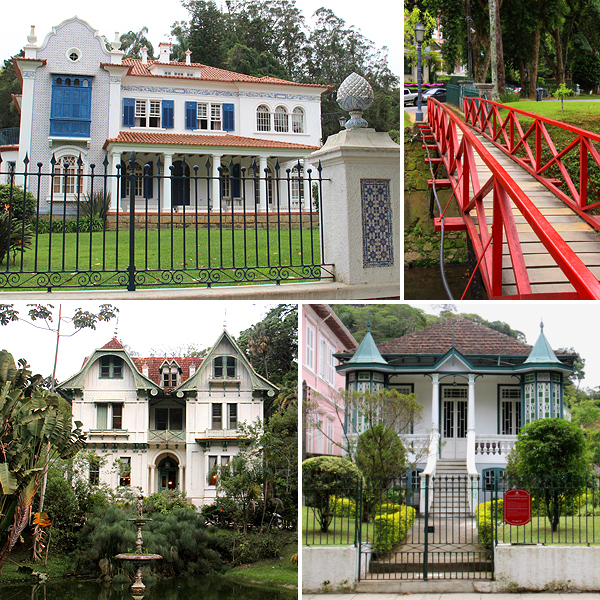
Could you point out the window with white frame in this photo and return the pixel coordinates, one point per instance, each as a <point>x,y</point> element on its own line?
<point>326,362</point>
<point>330,430</point>
<point>298,120</point>
<point>297,185</point>
<point>225,182</point>
<point>281,120</point>
<point>68,176</point>
<point>263,118</point>
<point>139,181</point>
<point>510,410</point>
<point>310,347</point>
<point>216,123</point>
<point>109,415</point>
<point>147,113</point>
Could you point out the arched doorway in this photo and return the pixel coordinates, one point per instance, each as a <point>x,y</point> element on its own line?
<point>168,469</point>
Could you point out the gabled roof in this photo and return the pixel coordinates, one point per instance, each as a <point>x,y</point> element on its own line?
<point>207,73</point>
<point>324,312</point>
<point>258,382</point>
<point>112,348</point>
<point>466,336</point>
<point>200,139</point>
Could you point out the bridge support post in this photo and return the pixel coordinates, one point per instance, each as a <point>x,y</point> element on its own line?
<point>361,208</point>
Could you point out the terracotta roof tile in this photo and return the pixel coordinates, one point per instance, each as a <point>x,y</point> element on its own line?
<point>114,344</point>
<point>155,363</point>
<point>469,338</point>
<point>207,73</point>
<point>190,139</point>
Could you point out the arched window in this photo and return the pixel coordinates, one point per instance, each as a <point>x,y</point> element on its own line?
<point>263,118</point>
<point>139,182</point>
<point>297,185</point>
<point>225,182</point>
<point>72,181</point>
<point>281,119</point>
<point>298,120</point>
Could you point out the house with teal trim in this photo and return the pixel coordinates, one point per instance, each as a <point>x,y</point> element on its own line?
<point>89,108</point>
<point>165,423</point>
<point>477,386</point>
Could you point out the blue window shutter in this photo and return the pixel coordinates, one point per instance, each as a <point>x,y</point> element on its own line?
<point>235,191</point>
<point>191,115</point>
<point>148,180</point>
<point>167,114</point>
<point>123,173</point>
<point>228,119</point>
<point>128,112</point>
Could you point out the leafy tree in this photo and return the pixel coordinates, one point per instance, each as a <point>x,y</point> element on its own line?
<point>326,476</point>
<point>132,43</point>
<point>206,33</point>
<point>32,434</point>
<point>586,71</point>
<point>9,86</point>
<point>551,455</point>
<point>272,345</point>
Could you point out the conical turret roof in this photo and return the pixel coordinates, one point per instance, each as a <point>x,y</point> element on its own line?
<point>542,352</point>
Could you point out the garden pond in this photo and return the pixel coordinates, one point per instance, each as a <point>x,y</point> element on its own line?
<point>180,588</point>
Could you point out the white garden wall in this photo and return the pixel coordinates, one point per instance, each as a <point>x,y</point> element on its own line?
<point>329,569</point>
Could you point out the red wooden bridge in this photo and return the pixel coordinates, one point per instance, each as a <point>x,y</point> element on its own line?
<point>529,209</point>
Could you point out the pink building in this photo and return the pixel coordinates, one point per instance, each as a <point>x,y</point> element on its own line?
<point>324,335</point>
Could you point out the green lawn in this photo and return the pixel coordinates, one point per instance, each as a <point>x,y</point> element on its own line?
<point>165,250</point>
<point>407,121</point>
<point>574,111</point>
<point>573,530</point>
<point>277,572</point>
<point>340,531</point>
<point>57,566</point>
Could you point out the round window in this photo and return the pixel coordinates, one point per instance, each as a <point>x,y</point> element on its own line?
<point>74,54</point>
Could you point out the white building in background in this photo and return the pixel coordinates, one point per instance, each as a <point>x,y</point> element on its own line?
<point>81,99</point>
<point>165,423</point>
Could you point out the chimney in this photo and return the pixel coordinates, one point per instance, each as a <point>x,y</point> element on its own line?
<point>165,52</point>
<point>144,55</point>
<point>188,54</point>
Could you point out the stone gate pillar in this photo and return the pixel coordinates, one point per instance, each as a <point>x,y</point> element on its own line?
<point>361,200</point>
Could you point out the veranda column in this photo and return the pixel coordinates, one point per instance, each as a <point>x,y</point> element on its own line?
<point>262,186</point>
<point>115,189</point>
<point>216,187</point>
<point>434,440</point>
<point>307,191</point>
<point>471,427</point>
<point>166,182</point>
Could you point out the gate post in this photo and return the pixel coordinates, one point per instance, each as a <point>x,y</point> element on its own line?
<point>131,267</point>
<point>361,199</point>
<point>358,513</point>
<point>426,541</point>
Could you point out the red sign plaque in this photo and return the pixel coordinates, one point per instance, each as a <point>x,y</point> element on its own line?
<point>517,507</point>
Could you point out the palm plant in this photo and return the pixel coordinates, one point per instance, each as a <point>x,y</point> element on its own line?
<point>30,426</point>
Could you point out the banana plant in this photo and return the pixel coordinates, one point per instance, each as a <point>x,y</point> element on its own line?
<point>30,424</point>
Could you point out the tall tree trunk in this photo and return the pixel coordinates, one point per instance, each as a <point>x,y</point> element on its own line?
<point>493,49</point>
<point>500,52</point>
<point>522,72</point>
<point>560,65</point>
<point>535,57</point>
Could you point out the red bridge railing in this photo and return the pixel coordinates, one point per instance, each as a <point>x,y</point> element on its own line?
<point>531,146</point>
<point>458,157</point>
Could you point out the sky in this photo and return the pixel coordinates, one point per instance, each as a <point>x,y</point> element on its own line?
<point>142,325</point>
<point>110,16</point>
<point>566,325</point>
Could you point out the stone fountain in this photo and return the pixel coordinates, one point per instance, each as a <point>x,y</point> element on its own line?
<point>138,557</point>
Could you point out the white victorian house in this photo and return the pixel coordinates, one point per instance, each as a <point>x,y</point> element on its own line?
<point>477,388</point>
<point>165,423</point>
<point>82,99</point>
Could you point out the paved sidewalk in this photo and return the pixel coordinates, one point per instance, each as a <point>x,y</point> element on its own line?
<point>465,596</point>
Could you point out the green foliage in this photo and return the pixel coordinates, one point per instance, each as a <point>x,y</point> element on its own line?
<point>9,85</point>
<point>509,96</point>
<point>24,205</point>
<point>95,207</point>
<point>563,92</point>
<point>324,477</point>
<point>14,236</point>
<point>132,43</point>
<point>238,548</point>
<point>486,515</point>
<point>551,454</point>
<point>342,507</point>
<point>59,225</point>
<point>166,502</point>
<point>391,528</point>
<point>585,70</point>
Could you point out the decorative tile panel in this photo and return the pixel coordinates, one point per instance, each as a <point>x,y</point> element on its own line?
<point>377,227</point>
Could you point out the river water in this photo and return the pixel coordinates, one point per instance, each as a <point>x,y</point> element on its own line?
<point>181,588</point>
<point>425,283</point>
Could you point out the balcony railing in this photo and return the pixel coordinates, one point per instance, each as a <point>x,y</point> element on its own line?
<point>494,445</point>
<point>166,435</point>
<point>9,136</point>
<point>221,433</point>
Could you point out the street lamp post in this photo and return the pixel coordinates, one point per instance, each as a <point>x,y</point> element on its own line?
<point>419,37</point>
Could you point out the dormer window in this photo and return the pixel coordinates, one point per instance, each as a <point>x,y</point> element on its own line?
<point>111,367</point>
<point>170,375</point>
<point>224,366</point>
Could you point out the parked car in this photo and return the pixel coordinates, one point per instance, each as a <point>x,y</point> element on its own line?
<point>437,93</point>
<point>409,96</point>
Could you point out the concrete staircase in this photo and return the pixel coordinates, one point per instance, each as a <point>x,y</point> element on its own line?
<point>451,488</point>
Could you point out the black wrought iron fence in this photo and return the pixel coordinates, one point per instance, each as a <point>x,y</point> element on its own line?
<point>70,226</point>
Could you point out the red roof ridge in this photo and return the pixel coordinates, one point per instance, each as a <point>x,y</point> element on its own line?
<point>114,344</point>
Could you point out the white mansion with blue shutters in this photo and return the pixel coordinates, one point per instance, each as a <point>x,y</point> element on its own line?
<point>81,98</point>
<point>165,423</point>
<point>477,388</point>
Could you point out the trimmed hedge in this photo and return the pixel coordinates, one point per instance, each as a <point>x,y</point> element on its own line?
<point>484,520</point>
<point>342,507</point>
<point>392,528</point>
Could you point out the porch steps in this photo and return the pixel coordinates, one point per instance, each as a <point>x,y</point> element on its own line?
<point>450,489</point>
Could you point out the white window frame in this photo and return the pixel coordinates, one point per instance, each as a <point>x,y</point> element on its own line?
<point>72,173</point>
<point>326,361</point>
<point>216,117</point>
<point>281,120</point>
<point>263,118</point>
<point>148,113</point>
<point>310,346</point>
<point>298,116</point>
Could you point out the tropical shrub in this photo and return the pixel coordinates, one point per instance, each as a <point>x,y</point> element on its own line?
<point>24,205</point>
<point>13,236</point>
<point>95,206</point>
<point>484,517</point>
<point>166,502</point>
<point>240,548</point>
<point>390,529</point>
